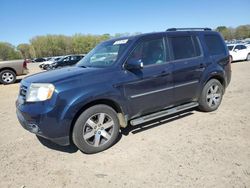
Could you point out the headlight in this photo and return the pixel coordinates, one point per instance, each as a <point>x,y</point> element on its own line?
<point>39,92</point>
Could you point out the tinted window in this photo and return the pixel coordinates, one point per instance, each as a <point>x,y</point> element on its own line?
<point>183,47</point>
<point>73,58</point>
<point>149,52</point>
<point>67,58</point>
<point>215,45</point>
<point>243,47</point>
<point>230,48</point>
<point>238,47</point>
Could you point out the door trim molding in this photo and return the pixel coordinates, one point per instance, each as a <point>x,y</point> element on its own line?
<point>164,89</point>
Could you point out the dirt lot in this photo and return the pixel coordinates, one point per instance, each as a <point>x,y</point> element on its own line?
<point>193,150</point>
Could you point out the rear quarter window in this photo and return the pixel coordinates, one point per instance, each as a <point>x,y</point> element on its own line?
<point>215,45</point>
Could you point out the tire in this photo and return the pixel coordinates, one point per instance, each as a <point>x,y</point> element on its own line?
<point>211,96</point>
<point>7,77</point>
<point>248,57</point>
<point>231,58</point>
<point>96,129</point>
<point>45,67</point>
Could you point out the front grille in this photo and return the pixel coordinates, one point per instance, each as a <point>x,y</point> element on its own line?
<point>23,91</point>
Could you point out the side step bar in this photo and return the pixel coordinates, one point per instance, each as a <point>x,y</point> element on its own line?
<point>163,113</point>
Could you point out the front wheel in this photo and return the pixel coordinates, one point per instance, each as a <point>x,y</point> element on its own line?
<point>96,129</point>
<point>211,96</point>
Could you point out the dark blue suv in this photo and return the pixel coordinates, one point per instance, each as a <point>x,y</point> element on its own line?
<point>125,81</point>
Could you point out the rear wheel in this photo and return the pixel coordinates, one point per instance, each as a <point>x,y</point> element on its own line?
<point>7,77</point>
<point>96,129</point>
<point>211,96</point>
<point>45,67</point>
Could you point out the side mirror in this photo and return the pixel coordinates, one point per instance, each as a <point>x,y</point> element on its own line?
<point>236,50</point>
<point>134,64</point>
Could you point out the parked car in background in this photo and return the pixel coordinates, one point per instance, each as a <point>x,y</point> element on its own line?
<point>239,52</point>
<point>68,60</point>
<point>126,81</point>
<point>9,70</point>
<point>46,64</point>
<point>37,60</point>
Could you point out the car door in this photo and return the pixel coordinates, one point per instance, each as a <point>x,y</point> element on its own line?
<point>239,52</point>
<point>243,52</point>
<point>188,65</point>
<point>150,88</point>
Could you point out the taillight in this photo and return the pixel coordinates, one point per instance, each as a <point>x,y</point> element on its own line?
<point>25,64</point>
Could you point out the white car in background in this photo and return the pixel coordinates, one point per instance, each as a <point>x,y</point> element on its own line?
<point>239,52</point>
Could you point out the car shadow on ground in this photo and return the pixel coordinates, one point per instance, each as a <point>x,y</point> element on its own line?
<point>18,80</point>
<point>155,123</point>
<point>124,132</point>
<point>47,143</point>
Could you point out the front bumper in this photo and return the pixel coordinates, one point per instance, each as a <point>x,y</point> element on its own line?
<point>43,123</point>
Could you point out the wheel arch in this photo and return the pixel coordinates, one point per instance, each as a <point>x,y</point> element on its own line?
<point>8,68</point>
<point>219,78</point>
<point>111,103</point>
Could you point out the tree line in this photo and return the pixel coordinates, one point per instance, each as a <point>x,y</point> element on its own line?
<point>229,33</point>
<point>53,45</point>
<point>56,45</point>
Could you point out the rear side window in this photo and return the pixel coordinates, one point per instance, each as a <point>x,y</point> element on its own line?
<point>241,47</point>
<point>215,45</point>
<point>185,47</point>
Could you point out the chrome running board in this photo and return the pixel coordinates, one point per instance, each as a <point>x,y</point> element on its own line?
<point>163,113</point>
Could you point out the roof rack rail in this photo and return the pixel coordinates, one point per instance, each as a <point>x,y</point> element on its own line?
<point>190,29</point>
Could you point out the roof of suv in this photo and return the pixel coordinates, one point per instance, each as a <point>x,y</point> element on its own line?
<point>162,33</point>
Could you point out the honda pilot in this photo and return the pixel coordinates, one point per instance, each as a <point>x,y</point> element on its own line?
<point>125,82</point>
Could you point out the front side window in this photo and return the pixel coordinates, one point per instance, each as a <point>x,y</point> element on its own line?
<point>66,58</point>
<point>149,52</point>
<point>105,54</point>
<point>73,58</point>
<point>184,47</point>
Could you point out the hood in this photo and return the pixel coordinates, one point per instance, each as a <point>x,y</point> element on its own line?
<point>61,74</point>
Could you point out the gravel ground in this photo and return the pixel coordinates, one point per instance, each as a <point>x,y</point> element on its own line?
<point>194,149</point>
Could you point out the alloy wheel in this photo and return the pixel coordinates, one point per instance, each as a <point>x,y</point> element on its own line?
<point>214,94</point>
<point>98,129</point>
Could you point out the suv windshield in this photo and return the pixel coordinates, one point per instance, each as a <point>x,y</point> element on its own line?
<point>105,54</point>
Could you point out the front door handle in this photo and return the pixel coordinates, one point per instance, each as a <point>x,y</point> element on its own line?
<point>165,73</point>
